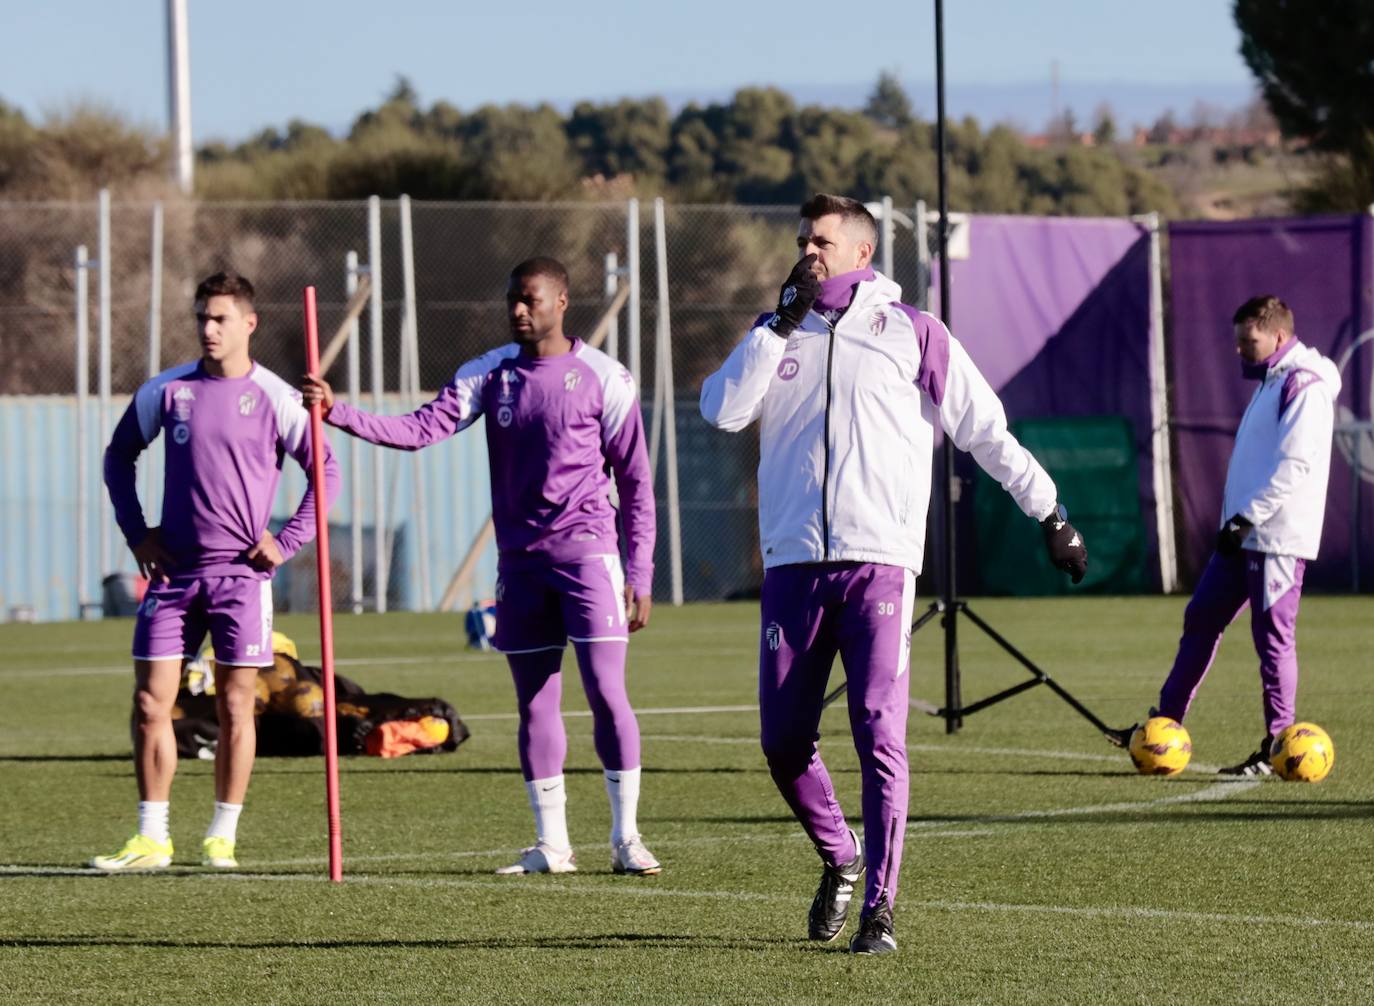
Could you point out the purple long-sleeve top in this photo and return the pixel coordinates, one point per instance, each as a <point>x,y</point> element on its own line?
<point>226,438</point>
<point>555,425</point>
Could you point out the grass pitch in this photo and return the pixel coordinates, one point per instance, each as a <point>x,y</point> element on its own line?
<point>1039,867</point>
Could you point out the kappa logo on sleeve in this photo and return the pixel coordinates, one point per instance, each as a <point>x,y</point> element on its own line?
<point>571,379</point>
<point>247,402</point>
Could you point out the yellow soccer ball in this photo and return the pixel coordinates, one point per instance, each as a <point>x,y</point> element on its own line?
<point>1160,746</point>
<point>307,700</point>
<point>1302,753</point>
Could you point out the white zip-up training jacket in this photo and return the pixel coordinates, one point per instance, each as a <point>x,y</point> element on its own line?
<point>1282,458</point>
<point>847,431</point>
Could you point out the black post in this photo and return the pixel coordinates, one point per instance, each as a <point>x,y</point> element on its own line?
<point>949,594</point>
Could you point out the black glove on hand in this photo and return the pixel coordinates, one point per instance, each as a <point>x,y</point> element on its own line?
<point>1232,534</point>
<point>798,294</point>
<point>1064,544</point>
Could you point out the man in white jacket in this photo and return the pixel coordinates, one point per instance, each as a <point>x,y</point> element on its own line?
<point>1271,521</point>
<point>849,383</point>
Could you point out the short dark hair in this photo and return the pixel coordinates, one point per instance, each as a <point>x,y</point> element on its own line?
<point>542,266</point>
<point>226,284</point>
<point>851,211</point>
<point>1266,312</point>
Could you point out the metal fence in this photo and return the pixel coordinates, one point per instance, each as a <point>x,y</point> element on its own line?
<point>96,297</point>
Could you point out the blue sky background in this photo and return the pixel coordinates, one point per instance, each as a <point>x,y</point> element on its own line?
<point>256,63</point>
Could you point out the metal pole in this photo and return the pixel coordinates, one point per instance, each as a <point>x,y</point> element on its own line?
<point>179,93</point>
<point>1159,419</point>
<point>103,414</point>
<point>632,264</point>
<point>922,228</point>
<point>888,237</point>
<point>953,700</point>
<point>154,321</point>
<point>663,353</point>
<point>83,381</point>
<point>612,285</point>
<point>355,446</point>
<point>379,535</point>
<point>410,377</point>
<point>155,297</point>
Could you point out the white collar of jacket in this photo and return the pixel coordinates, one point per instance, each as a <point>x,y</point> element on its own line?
<point>870,293</point>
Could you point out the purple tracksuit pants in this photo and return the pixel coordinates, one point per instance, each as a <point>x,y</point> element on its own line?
<point>1272,586</point>
<point>862,611</point>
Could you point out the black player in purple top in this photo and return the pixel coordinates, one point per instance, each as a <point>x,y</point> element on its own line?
<point>229,423</point>
<point>559,416</point>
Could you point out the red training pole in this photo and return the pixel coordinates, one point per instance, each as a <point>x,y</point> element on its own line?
<point>331,729</point>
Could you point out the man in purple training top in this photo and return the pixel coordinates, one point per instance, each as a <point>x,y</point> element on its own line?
<point>228,423</point>
<point>848,383</point>
<point>1271,522</point>
<point>558,413</point>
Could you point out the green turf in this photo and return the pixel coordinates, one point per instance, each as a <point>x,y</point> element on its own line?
<point>1039,867</point>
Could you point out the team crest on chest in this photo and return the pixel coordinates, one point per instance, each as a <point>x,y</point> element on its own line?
<point>773,634</point>
<point>247,402</point>
<point>571,379</point>
<point>877,323</point>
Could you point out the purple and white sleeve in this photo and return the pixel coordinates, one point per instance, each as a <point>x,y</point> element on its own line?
<point>137,428</point>
<point>622,439</point>
<point>293,434</point>
<point>455,408</point>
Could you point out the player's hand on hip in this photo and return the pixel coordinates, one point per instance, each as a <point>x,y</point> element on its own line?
<point>266,554</point>
<point>152,556</point>
<point>637,608</point>
<point>316,390</point>
<point>1232,535</point>
<point>798,293</point>
<point>1064,544</point>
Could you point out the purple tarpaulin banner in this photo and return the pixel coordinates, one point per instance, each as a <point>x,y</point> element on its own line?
<point>1321,267</point>
<point>1056,313</point>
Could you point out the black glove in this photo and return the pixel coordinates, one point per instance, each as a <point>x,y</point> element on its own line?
<point>1231,535</point>
<point>1064,544</point>
<point>797,295</point>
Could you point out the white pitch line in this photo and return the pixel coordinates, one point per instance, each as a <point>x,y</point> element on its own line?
<point>650,889</point>
<point>663,711</point>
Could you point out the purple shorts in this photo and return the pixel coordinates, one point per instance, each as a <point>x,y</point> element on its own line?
<point>236,610</point>
<point>541,609</point>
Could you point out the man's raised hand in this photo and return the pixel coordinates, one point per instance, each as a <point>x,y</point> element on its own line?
<point>798,293</point>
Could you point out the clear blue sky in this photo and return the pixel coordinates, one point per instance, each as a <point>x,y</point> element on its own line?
<point>262,63</point>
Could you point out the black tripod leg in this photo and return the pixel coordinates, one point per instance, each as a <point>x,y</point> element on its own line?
<point>1041,677</point>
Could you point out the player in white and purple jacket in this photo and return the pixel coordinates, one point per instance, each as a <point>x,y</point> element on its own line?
<point>849,384</point>
<point>559,415</point>
<point>1271,521</point>
<point>228,423</point>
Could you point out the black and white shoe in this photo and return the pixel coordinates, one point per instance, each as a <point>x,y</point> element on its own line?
<point>1256,765</point>
<point>875,932</point>
<point>831,905</point>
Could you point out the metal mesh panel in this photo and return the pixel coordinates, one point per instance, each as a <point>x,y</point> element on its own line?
<point>724,266</point>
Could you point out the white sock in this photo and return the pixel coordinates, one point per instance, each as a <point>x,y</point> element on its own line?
<point>623,788</point>
<point>225,823</point>
<point>152,819</point>
<point>549,801</point>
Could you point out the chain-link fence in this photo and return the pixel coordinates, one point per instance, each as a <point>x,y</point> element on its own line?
<point>724,265</point>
